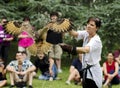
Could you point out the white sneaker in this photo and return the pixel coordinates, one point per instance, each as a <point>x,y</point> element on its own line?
<point>68,82</point>
<point>24,87</point>
<point>58,78</point>
<point>59,71</point>
<point>51,79</point>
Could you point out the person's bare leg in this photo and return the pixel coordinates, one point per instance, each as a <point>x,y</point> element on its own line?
<point>25,78</point>
<point>12,78</point>
<point>2,83</point>
<point>77,76</point>
<point>30,77</point>
<point>72,75</point>
<point>106,83</point>
<point>58,63</point>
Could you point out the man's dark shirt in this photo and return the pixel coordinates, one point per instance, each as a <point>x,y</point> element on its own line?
<point>54,37</point>
<point>42,64</point>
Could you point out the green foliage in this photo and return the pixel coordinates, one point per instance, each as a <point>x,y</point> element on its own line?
<point>78,11</point>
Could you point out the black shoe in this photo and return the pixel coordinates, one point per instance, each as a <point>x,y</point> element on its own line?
<point>24,84</point>
<point>12,86</point>
<point>20,84</point>
<point>30,86</point>
<point>77,82</point>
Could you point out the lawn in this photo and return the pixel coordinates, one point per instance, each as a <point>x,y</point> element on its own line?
<point>50,84</point>
<point>56,83</point>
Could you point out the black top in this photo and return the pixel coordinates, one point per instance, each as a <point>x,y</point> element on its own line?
<point>77,64</point>
<point>43,64</point>
<point>54,37</point>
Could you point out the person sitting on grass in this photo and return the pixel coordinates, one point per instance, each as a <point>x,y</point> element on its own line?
<point>75,67</point>
<point>20,71</point>
<point>46,66</point>
<point>117,58</point>
<point>3,79</point>
<point>110,69</point>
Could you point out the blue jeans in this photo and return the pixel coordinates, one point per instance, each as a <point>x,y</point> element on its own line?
<point>46,75</point>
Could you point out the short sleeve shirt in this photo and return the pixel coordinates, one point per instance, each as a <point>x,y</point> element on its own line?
<point>95,44</point>
<point>25,65</point>
<point>77,64</point>
<point>3,34</point>
<point>54,37</point>
<point>25,42</point>
<point>42,64</point>
<point>92,57</point>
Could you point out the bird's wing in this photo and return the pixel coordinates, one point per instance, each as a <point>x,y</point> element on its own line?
<point>13,28</point>
<point>63,25</point>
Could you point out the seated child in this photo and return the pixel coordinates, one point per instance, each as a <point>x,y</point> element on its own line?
<point>46,66</point>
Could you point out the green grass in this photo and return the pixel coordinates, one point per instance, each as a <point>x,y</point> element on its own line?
<point>56,83</point>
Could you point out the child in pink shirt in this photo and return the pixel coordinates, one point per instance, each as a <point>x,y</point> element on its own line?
<point>25,39</point>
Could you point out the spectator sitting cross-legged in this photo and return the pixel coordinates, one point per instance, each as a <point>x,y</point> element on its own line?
<point>20,71</point>
<point>110,69</point>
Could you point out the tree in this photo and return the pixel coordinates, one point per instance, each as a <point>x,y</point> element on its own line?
<point>77,11</point>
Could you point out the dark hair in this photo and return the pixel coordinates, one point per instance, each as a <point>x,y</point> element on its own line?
<point>110,52</point>
<point>26,18</point>
<point>96,20</point>
<point>22,52</point>
<point>54,14</point>
<point>5,22</point>
<point>18,52</point>
<point>4,17</point>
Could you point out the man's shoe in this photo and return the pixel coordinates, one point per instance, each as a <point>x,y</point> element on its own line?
<point>51,79</point>
<point>68,82</point>
<point>58,78</point>
<point>24,84</point>
<point>59,71</point>
<point>12,86</point>
<point>30,86</point>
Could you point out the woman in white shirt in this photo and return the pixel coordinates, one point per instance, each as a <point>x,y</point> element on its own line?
<point>91,49</point>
